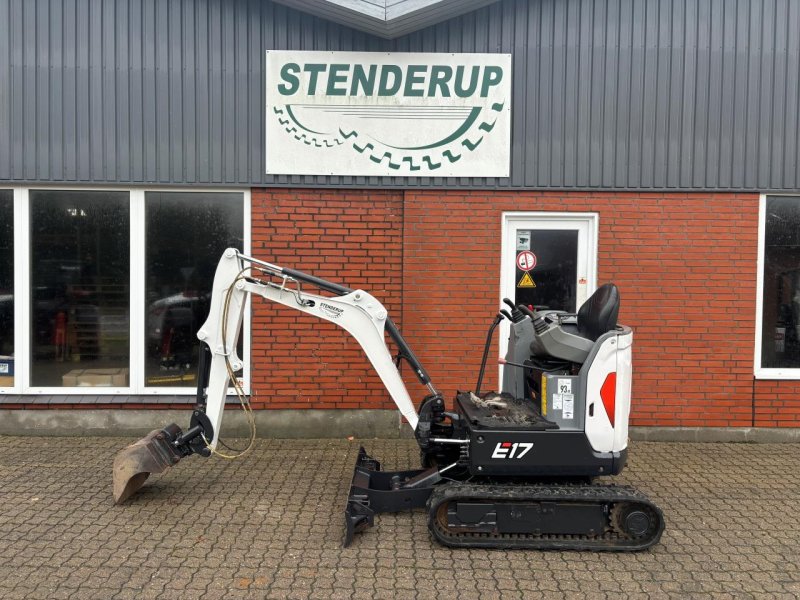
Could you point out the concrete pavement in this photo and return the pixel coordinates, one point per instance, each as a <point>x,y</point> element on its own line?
<point>270,526</point>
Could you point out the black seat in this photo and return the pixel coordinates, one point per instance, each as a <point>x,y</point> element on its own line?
<point>598,314</point>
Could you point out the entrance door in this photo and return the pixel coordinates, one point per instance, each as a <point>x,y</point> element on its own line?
<point>548,260</point>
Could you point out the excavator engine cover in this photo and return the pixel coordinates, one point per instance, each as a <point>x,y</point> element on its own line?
<point>154,453</point>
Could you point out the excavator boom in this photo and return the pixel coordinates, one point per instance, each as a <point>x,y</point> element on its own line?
<point>238,276</point>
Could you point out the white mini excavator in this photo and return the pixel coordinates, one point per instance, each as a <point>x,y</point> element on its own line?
<point>508,469</point>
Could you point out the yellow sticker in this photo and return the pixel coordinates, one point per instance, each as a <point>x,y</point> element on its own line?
<point>526,281</point>
<point>544,395</point>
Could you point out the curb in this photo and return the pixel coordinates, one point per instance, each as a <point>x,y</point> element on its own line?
<point>317,423</point>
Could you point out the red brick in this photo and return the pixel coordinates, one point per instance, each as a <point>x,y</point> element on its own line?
<point>685,264</point>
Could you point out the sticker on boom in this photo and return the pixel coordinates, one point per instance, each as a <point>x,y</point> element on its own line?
<point>334,312</point>
<point>509,450</point>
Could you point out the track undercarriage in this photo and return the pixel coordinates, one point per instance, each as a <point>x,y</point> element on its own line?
<point>492,513</point>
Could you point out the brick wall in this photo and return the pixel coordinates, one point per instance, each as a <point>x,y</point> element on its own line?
<point>348,237</point>
<point>685,265</point>
<point>777,403</point>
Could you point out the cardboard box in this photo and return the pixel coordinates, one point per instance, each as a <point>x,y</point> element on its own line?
<point>95,378</point>
<point>6,381</point>
<point>71,379</point>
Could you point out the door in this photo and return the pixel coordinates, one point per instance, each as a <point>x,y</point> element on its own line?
<point>548,261</point>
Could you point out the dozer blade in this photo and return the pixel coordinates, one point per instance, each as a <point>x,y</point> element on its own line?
<point>154,453</point>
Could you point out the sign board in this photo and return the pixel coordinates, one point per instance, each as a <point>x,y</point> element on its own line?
<point>388,114</point>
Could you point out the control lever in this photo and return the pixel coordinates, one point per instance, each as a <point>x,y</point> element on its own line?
<point>539,325</point>
<point>516,315</point>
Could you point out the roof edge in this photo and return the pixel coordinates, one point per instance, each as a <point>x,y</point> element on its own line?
<point>387,18</point>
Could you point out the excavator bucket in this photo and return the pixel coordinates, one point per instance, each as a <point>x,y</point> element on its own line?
<point>154,453</point>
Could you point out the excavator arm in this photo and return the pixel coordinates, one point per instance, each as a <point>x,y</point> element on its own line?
<point>237,277</point>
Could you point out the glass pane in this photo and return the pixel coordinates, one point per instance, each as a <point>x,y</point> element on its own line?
<point>80,251</point>
<point>551,282</point>
<point>780,343</point>
<point>6,288</point>
<point>186,235</point>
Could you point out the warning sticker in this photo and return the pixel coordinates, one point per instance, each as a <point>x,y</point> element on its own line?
<point>526,281</point>
<point>564,399</point>
<point>526,260</point>
<point>569,406</point>
<point>523,240</point>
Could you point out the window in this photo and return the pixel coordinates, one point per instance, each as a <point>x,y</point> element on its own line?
<point>6,288</point>
<point>778,325</point>
<point>80,296</point>
<point>186,234</point>
<point>109,287</point>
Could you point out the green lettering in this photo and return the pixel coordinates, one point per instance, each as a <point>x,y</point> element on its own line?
<point>313,69</point>
<point>337,74</point>
<point>289,73</point>
<point>362,80</point>
<point>414,76</point>
<point>384,89</point>
<point>491,76</point>
<point>461,91</point>
<point>440,76</point>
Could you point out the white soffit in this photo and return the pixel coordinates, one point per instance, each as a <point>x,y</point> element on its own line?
<point>387,18</point>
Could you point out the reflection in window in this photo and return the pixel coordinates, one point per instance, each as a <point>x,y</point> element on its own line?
<point>6,288</point>
<point>186,234</point>
<point>80,255</point>
<point>780,343</point>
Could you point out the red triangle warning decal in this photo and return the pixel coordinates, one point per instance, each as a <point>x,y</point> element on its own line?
<point>526,281</point>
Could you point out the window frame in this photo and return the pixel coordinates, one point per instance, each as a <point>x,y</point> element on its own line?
<point>22,294</point>
<point>760,372</point>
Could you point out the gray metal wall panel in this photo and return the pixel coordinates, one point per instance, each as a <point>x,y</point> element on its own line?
<point>5,87</point>
<point>616,94</point>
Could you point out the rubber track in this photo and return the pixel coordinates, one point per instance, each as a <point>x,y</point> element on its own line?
<point>611,540</point>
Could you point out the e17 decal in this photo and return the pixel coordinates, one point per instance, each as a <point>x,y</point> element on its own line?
<point>509,450</point>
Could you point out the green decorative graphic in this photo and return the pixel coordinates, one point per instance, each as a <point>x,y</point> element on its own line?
<point>475,123</point>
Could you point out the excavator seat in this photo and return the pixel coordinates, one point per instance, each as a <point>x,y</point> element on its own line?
<point>571,337</point>
<point>599,313</point>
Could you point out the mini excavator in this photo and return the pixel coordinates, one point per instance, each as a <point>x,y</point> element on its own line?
<point>508,469</point>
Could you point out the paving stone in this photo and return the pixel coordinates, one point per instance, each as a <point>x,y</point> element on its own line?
<point>270,526</point>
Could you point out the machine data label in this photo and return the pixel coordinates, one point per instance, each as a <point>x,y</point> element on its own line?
<point>569,406</point>
<point>563,393</point>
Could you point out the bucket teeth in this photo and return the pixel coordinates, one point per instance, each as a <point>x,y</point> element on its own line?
<point>133,465</point>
